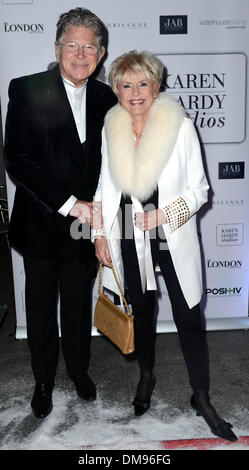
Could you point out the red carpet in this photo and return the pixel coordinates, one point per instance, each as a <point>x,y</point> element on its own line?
<point>202,444</point>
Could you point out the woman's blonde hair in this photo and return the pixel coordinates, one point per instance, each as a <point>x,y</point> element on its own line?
<point>144,63</point>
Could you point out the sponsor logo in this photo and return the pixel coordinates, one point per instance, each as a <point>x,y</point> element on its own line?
<point>214,99</point>
<point>229,234</point>
<point>228,202</point>
<point>231,264</point>
<point>230,23</point>
<point>174,24</point>
<point>127,25</point>
<point>23,28</point>
<point>201,94</point>
<point>224,291</point>
<point>231,170</point>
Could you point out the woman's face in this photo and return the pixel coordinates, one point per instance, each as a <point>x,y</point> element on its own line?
<point>136,94</point>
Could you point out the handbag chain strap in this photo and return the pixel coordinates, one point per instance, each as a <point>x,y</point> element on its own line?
<point>129,313</point>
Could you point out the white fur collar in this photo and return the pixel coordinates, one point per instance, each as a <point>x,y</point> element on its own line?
<point>136,171</point>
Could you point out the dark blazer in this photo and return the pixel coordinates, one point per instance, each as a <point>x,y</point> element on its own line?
<point>47,162</point>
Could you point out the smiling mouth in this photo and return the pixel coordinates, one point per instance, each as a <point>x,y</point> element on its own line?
<point>136,102</point>
<point>80,65</point>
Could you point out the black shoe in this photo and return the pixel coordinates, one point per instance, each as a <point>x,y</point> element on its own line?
<point>41,402</point>
<point>85,387</point>
<point>218,426</point>
<point>144,391</point>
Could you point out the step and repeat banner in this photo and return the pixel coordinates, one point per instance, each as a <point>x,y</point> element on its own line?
<point>204,46</point>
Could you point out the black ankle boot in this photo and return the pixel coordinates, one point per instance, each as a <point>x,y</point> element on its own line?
<point>200,402</point>
<point>144,391</point>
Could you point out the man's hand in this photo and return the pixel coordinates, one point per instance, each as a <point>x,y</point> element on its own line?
<point>149,220</point>
<point>102,251</point>
<point>87,212</point>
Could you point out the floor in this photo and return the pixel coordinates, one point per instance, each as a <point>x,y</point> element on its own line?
<point>109,422</point>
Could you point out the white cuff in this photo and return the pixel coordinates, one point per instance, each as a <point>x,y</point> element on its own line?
<point>65,209</point>
<point>177,213</point>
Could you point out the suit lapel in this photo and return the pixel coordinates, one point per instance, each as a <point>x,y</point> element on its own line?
<point>90,98</point>
<point>94,118</point>
<point>64,112</point>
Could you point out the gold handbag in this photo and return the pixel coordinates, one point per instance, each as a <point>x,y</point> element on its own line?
<point>112,321</point>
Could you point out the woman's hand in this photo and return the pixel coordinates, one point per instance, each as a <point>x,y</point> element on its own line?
<point>149,220</point>
<point>102,251</point>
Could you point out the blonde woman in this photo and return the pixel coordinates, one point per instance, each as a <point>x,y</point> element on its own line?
<point>152,175</point>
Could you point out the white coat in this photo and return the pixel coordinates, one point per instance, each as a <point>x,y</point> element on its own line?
<point>168,157</point>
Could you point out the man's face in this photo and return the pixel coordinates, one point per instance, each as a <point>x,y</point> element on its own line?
<point>77,62</point>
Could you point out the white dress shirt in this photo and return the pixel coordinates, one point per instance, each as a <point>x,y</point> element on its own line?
<point>77,100</point>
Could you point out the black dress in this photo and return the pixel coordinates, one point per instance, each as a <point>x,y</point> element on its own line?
<point>158,242</point>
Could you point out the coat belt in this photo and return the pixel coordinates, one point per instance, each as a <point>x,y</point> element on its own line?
<point>143,249</point>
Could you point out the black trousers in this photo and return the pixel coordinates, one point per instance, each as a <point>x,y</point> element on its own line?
<point>73,281</point>
<point>189,322</point>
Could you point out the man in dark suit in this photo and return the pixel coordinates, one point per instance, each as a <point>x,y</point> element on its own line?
<point>53,154</point>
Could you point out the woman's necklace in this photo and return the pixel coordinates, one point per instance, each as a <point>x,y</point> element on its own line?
<point>137,135</point>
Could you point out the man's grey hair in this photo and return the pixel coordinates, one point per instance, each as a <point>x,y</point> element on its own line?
<point>82,17</point>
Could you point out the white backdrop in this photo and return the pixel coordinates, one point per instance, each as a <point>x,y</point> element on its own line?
<point>204,46</point>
